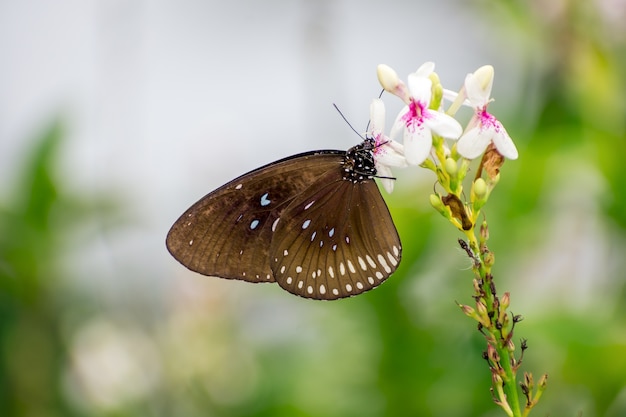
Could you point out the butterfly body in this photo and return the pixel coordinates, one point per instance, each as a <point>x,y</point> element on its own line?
<point>315,222</point>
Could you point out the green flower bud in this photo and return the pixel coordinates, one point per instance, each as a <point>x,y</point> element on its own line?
<point>435,201</point>
<point>451,167</point>
<point>480,189</point>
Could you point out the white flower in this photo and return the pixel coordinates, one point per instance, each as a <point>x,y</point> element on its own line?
<point>416,120</point>
<point>387,153</point>
<point>483,128</point>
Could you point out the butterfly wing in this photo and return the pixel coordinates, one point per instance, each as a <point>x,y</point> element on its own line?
<point>227,232</point>
<point>336,242</point>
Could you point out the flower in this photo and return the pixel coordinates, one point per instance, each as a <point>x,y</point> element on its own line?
<point>483,128</point>
<point>387,152</point>
<point>418,121</point>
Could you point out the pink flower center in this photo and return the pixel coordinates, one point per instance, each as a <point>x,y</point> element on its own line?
<point>487,120</point>
<point>414,117</point>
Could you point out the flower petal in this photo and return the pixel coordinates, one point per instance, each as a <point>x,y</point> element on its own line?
<point>384,171</point>
<point>390,154</point>
<point>478,86</point>
<point>443,124</point>
<point>420,89</point>
<point>425,69</point>
<point>418,141</point>
<point>399,124</point>
<point>474,142</point>
<point>377,116</point>
<point>504,144</point>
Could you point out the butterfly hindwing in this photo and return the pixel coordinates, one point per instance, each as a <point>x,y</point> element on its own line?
<point>335,242</point>
<point>227,232</point>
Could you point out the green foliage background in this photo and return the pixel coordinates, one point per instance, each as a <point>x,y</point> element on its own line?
<point>206,348</point>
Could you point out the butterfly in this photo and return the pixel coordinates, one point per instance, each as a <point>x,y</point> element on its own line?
<point>314,222</point>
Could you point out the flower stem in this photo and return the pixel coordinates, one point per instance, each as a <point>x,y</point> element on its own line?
<point>494,322</point>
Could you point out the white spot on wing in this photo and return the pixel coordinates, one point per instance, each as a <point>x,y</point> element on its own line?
<point>393,260</point>
<point>322,289</point>
<point>379,275</point>
<point>313,236</point>
<point>254,224</point>
<point>289,280</point>
<point>348,287</point>
<point>383,263</point>
<point>370,280</point>
<point>362,263</point>
<point>396,251</point>
<point>275,224</point>
<point>370,261</point>
<point>309,205</point>
<point>331,232</point>
<point>191,242</point>
<point>238,187</point>
<point>335,291</point>
<point>282,269</point>
<point>285,252</point>
<point>298,269</point>
<point>264,200</point>
<point>342,268</point>
<point>309,289</point>
<point>331,272</point>
<point>306,223</point>
<point>359,285</point>
<point>351,267</point>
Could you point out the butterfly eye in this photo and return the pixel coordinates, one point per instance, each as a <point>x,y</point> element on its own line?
<point>315,223</point>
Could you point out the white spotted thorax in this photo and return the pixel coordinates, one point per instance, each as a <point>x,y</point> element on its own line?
<point>316,223</point>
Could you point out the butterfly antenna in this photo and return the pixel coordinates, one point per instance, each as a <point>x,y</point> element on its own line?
<point>346,120</point>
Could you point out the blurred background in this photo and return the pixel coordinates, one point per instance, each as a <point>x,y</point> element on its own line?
<point>116,115</point>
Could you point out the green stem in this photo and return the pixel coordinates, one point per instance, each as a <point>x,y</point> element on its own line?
<point>508,374</point>
<point>510,383</point>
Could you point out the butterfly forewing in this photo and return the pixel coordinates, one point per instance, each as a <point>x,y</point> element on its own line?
<point>336,240</point>
<point>228,232</point>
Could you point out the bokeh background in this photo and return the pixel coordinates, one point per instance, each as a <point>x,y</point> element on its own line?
<point>116,115</point>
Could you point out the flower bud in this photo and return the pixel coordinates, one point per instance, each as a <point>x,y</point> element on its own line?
<point>389,80</point>
<point>479,189</point>
<point>479,194</point>
<point>387,77</point>
<point>435,201</point>
<point>481,308</point>
<point>437,91</point>
<point>468,311</point>
<point>505,300</point>
<point>451,167</point>
<point>492,355</point>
